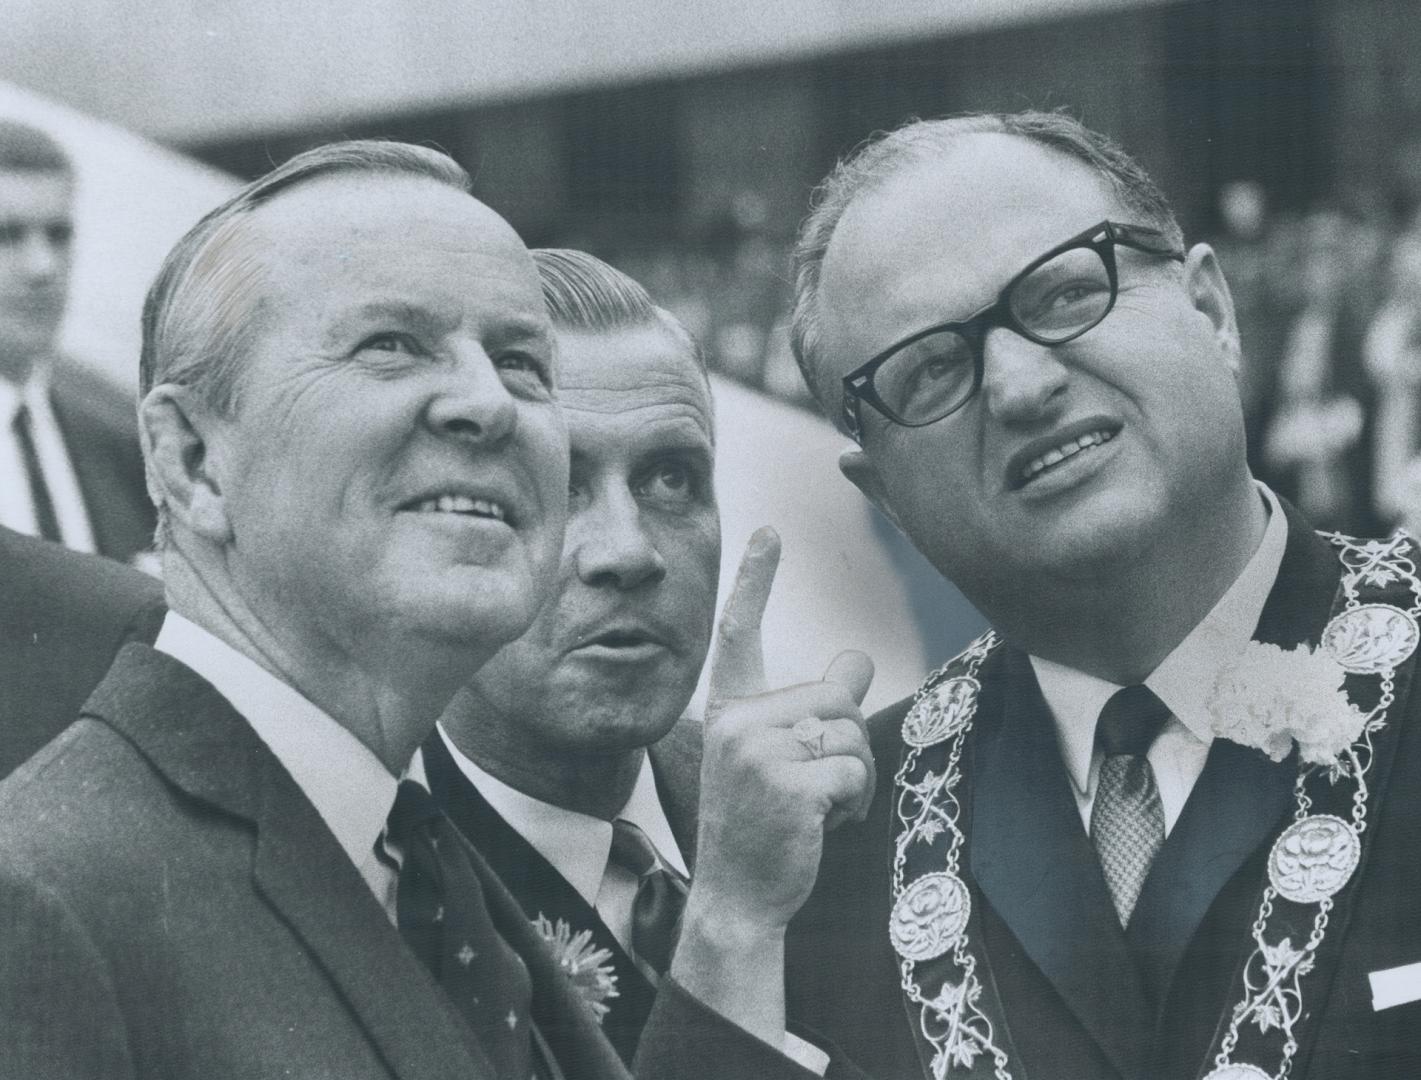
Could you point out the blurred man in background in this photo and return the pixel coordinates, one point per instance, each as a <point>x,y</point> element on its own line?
<point>70,468</point>
<point>544,757</point>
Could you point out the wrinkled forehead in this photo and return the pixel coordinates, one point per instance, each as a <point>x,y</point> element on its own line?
<point>993,201</point>
<point>939,238</point>
<point>629,374</point>
<point>391,230</point>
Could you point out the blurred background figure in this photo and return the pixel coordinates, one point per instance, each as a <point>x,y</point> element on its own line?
<point>70,469</point>
<point>1392,355</point>
<point>1314,445</point>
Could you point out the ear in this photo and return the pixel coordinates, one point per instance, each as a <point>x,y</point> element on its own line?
<point>178,434</point>
<point>1209,293</point>
<point>861,472</point>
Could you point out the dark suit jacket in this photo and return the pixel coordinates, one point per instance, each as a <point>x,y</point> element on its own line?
<point>541,890</point>
<point>172,905</point>
<point>100,428</point>
<point>63,616</point>
<point>1067,999</point>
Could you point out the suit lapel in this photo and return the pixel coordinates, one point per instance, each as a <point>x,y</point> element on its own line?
<point>539,889</point>
<point>1033,861</point>
<point>202,745</point>
<point>1241,797</point>
<point>106,470</point>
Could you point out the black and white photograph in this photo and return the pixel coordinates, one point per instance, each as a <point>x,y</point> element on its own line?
<point>611,540</point>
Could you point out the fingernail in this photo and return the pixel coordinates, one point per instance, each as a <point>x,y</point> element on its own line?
<point>763,538</point>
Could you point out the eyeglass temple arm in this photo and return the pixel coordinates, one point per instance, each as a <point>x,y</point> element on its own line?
<point>1145,239</point>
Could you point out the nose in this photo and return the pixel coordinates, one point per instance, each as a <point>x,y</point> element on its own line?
<point>1021,380</point>
<point>610,545</point>
<point>472,404</point>
<point>41,257</point>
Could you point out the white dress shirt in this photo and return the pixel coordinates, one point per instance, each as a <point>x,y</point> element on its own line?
<point>1183,681</point>
<point>16,507</point>
<point>577,845</point>
<point>347,784</point>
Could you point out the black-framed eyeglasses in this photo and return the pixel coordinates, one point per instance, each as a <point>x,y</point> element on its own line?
<point>1054,299</point>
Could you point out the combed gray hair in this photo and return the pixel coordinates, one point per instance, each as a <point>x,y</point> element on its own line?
<point>584,293</point>
<point>198,317</point>
<point>872,164</point>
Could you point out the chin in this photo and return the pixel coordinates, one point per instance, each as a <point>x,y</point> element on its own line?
<point>624,723</point>
<point>479,620</point>
<point>1117,531</point>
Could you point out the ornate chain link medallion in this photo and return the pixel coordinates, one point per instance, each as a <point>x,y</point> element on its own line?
<point>1314,858</point>
<point>929,916</point>
<point>1238,1072</point>
<point>941,711</point>
<point>1371,638</point>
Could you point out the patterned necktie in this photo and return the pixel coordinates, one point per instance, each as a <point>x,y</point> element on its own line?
<point>46,521</point>
<point>443,918</point>
<point>660,896</point>
<point>1127,821</point>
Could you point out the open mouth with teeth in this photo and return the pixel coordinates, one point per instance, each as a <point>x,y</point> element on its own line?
<point>1066,450</point>
<point>463,504</point>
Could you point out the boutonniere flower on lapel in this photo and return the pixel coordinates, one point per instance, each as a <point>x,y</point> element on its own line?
<point>587,967</point>
<point>1271,698</point>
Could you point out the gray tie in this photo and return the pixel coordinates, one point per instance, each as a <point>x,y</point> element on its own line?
<point>1127,821</point>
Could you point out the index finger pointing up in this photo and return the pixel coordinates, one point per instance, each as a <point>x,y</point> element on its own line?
<point>738,669</point>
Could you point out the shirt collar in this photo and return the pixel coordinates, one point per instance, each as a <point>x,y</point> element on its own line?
<point>1184,678</point>
<point>33,392</point>
<point>347,784</point>
<point>575,845</point>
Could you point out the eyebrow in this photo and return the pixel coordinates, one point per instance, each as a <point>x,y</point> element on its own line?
<point>510,329</point>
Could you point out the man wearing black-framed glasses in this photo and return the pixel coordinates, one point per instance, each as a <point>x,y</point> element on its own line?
<point>1086,862</point>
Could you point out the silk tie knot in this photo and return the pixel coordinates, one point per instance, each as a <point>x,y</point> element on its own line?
<point>1130,721</point>
<point>660,896</point>
<point>632,849</point>
<point>414,809</point>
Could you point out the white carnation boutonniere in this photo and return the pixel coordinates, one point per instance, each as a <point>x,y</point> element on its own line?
<point>588,968</point>
<point>1272,698</point>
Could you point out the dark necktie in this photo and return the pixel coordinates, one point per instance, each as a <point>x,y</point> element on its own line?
<point>1127,820</point>
<point>442,916</point>
<point>660,896</point>
<point>46,521</point>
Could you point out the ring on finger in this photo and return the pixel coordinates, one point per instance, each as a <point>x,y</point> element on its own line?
<point>810,733</point>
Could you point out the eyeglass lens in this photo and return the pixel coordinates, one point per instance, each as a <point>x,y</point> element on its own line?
<point>1057,300</point>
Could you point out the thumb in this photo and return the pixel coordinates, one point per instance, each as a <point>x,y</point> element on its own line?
<point>852,670</point>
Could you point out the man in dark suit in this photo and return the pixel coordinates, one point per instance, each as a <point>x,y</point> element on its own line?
<point>1162,822</point>
<point>361,474</point>
<point>224,868</point>
<point>63,616</point>
<point>551,758</point>
<point>70,465</point>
